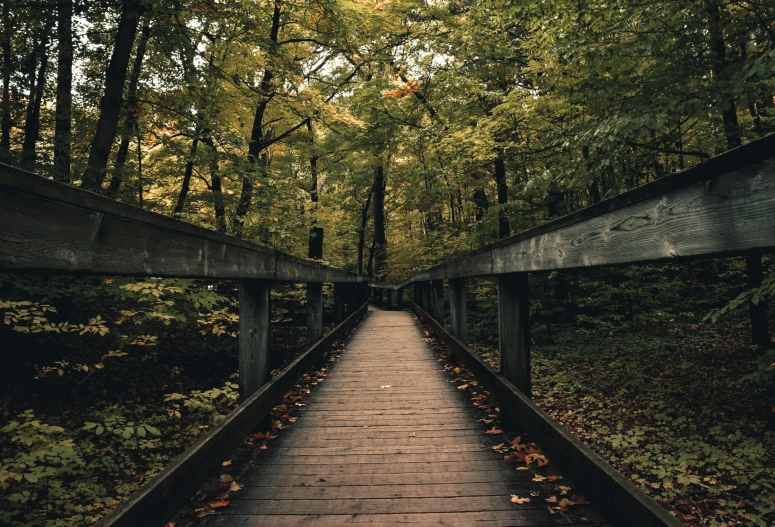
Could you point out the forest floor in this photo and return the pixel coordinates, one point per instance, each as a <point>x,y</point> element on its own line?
<point>663,400</point>
<point>666,406</point>
<point>83,422</point>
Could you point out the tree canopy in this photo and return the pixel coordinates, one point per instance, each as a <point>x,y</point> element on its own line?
<point>405,130</point>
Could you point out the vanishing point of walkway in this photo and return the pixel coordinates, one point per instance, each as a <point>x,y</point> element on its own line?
<point>387,440</point>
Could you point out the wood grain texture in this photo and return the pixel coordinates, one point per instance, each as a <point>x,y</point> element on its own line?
<point>386,439</point>
<point>457,309</point>
<point>50,226</point>
<point>158,500</point>
<point>614,495</point>
<point>314,312</point>
<point>254,314</point>
<point>723,206</point>
<point>513,330</point>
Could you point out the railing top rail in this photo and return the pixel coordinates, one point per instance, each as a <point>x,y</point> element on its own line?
<point>723,206</point>
<point>52,227</point>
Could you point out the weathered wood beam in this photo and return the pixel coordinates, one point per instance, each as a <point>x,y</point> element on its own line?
<point>618,498</point>
<point>314,312</point>
<point>254,314</point>
<point>423,289</point>
<point>163,496</point>
<point>513,330</point>
<point>49,226</point>
<point>724,206</point>
<point>437,293</point>
<point>340,302</point>
<point>457,309</point>
<point>400,299</point>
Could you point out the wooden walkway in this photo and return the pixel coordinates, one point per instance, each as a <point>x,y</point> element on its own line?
<point>388,440</point>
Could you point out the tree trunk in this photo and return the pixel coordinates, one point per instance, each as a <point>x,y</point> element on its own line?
<point>503,197</point>
<point>215,184</point>
<point>760,333</point>
<point>32,123</point>
<point>362,231</point>
<point>719,64</point>
<point>380,241</point>
<point>186,178</point>
<point>64,100</point>
<point>315,248</point>
<point>258,139</point>
<point>110,106</point>
<point>130,121</point>
<point>5,135</point>
<point>140,198</point>
<point>481,204</point>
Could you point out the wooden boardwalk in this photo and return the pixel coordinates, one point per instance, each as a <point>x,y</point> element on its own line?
<point>388,440</point>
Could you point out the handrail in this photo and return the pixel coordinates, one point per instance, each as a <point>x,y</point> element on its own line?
<point>46,226</point>
<point>50,226</point>
<point>721,207</point>
<point>724,206</point>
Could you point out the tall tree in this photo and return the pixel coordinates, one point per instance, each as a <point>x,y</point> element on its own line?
<point>132,108</point>
<point>110,106</point>
<point>39,58</point>
<point>64,97</point>
<point>5,126</point>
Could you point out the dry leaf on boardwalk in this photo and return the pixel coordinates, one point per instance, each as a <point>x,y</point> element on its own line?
<point>518,500</point>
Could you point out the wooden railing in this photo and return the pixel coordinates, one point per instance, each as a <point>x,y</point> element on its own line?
<point>722,207</point>
<point>49,227</point>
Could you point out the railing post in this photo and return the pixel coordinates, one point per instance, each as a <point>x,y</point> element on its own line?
<point>253,336</point>
<point>340,299</point>
<point>437,292</point>
<point>457,309</point>
<point>400,299</point>
<point>314,312</point>
<point>390,298</point>
<point>513,330</point>
<point>425,296</point>
<point>362,295</point>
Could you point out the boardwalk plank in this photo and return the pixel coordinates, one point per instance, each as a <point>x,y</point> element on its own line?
<point>387,439</point>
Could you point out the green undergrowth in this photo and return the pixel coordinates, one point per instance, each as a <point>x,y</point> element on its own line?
<point>677,404</point>
<point>106,380</point>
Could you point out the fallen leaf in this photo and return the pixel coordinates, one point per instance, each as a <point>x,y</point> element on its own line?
<point>551,510</point>
<point>539,478</point>
<point>564,504</point>
<point>226,463</point>
<point>498,447</point>
<point>522,468</point>
<point>386,386</point>
<point>234,486</point>
<point>226,478</point>
<point>462,387</point>
<point>740,504</point>
<point>169,524</point>
<point>494,431</point>
<point>518,500</point>
<point>579,500</point>
<point>554,478</point>
<point>563,490</point>
<point>553,499</point>
<point>217,504</point>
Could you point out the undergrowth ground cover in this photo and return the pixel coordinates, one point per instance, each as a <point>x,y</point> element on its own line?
<point>106,380</point>
<point>677,404</point>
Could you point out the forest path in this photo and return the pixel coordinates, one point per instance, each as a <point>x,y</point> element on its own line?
<point>387,439</point>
